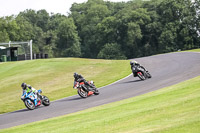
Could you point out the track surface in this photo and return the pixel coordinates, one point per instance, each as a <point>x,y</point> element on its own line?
<point>166,69</point>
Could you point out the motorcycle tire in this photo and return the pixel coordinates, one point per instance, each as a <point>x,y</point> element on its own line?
<point>29,104</point>
<point>96,92</point>
<point>45,101</point>
<point>148,75</point>
<point>141,76</point>
<point>82,93</point>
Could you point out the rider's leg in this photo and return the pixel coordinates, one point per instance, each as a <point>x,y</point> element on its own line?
<point>35,101</point>
<point>90,87</point>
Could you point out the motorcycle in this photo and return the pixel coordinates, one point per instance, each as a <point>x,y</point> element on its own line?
<point>141,73</point>
<point>31,102</point>
<point>83,91</point>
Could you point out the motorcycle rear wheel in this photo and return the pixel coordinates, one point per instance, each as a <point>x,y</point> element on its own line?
<point>29,104</point>
<point>82,93</point>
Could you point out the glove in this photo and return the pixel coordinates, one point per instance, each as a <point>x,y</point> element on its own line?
<point>29,86</point>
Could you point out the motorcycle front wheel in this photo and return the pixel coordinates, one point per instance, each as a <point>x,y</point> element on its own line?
<point>29,104</point>
<point>82,93</point>
<point>148,75</point>
<point>45,101</point>
<point>141,76</point>
<point>96,92</point>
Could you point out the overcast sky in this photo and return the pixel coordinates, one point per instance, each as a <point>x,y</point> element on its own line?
<point>13,7</point>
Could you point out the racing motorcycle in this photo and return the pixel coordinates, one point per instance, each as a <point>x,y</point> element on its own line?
<point>83,90</point>
<point>31,102</point>
<point>141,73</point>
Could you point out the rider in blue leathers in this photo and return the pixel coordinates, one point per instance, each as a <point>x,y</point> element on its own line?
<point>27,89</point>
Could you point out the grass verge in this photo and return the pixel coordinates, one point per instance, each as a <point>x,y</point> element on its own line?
<point>54,77</point>
<point>169,110</point>
<point>193,50</point>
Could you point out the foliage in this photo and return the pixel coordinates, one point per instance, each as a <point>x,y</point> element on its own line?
<point>68,39</point>
<point>111,51</point>
<point>140,28</point>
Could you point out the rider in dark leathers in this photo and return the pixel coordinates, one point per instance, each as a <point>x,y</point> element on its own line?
<point>79,78</point>
<point>136,66</point>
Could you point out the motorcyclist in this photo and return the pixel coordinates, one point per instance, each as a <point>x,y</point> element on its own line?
<point>135,66</point>
<point>27,89</point>
<point>79,78</point>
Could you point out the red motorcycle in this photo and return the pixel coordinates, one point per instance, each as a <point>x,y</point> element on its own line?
<point>83,90</point>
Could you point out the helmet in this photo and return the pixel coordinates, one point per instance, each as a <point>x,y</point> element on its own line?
<point>24,85</point>
<point>75,75</point>
<point>133,62</point>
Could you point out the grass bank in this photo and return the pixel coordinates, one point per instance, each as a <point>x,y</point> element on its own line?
<point>193,50</point>
<point>54,77</point>
<point>174,109</point>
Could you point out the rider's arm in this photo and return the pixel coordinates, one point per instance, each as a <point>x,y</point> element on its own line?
<point>23,93</point>
<point>28,89</point>
<point>142,67</point>
<point>32,89</point>
<point>80,78</point>
<point>133,67</point>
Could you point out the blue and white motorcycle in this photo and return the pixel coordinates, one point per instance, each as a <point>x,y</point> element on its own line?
<point>31,102</point>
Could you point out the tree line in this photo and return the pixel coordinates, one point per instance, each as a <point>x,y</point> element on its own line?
<point>108,30</point>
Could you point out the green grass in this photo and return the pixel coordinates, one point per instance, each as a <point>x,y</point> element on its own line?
<point>174,109</point>
<point>193,50</point>
<point>54,77</point>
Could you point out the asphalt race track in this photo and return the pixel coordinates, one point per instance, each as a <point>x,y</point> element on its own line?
<point>166,70</point>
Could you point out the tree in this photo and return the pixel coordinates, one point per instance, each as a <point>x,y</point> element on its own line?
<point>25,31</point>
<point>12,28</point>
<point>168,42</point>
<point>4,37</point>
<point>30,15</point>
<point>137,28</point>
<point>111,51</point>
<point>50,43</point>
<point>68,41</point>
<point>180,26</point>
<point>43,19</point>
<point>107,32</point>
<point>87,16</point>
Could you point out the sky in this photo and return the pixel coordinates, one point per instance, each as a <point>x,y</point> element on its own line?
<point>14,7</point>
